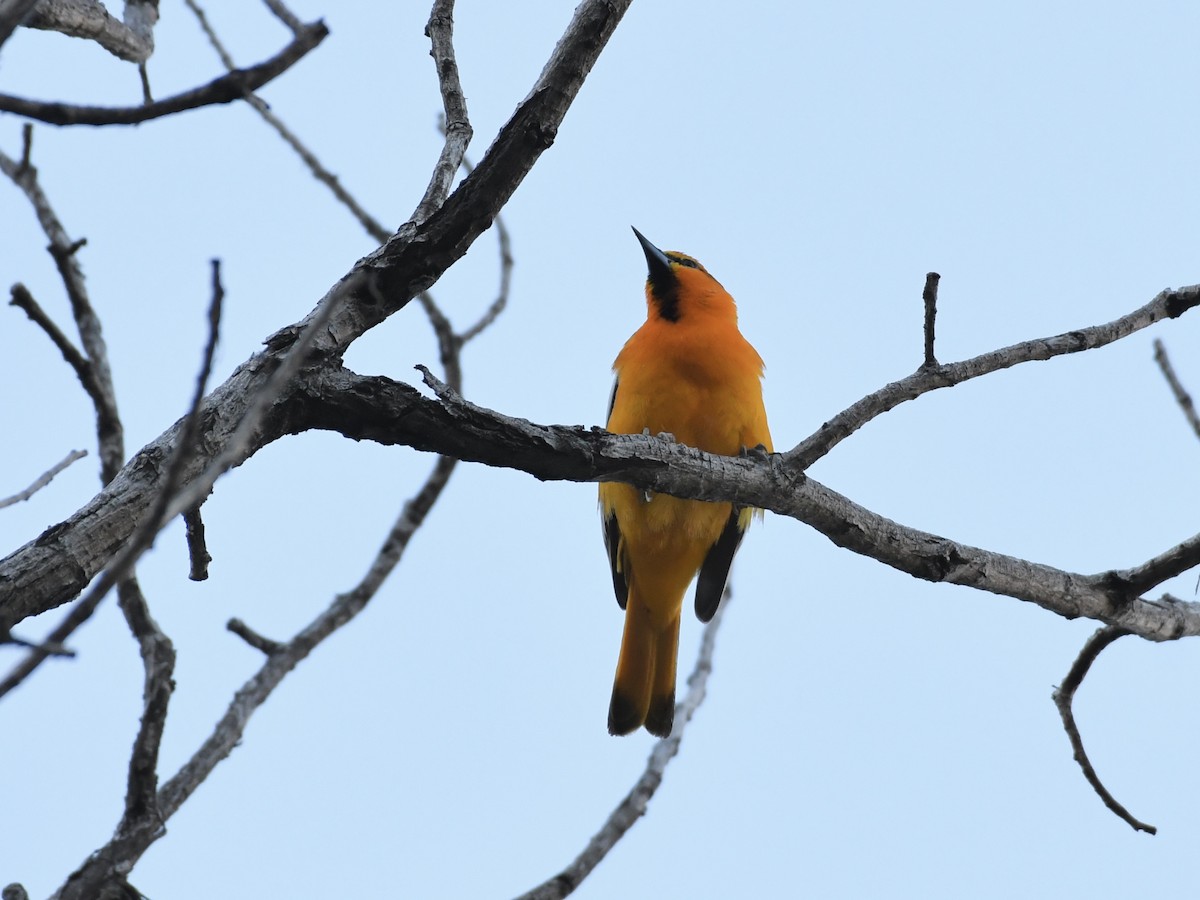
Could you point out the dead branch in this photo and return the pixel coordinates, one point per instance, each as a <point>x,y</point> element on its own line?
<point>225,89</point>
<point>93,371</point>
<point>131,40</point>
<point>633,806</point>
<point>12,14</point>
<point>457,129</point>
<point>1182,397</point>
<point>322,174</point>
<point>1168,304</point>
<point>198,555</point>
<point>929,296</point>
<point>44,479</point>
<point>1064,697</point>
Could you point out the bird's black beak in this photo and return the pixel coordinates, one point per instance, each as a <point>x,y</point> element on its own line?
<point>660,275</point>
<point>661,281</point>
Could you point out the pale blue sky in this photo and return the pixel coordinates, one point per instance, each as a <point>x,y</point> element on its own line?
<point>866,734</point>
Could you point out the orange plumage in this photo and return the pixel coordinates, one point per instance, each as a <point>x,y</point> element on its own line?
<point>688,372</point>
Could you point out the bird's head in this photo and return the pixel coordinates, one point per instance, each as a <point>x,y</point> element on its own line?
<point>677,283</point>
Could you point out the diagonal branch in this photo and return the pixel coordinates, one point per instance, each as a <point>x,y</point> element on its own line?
<point>1064,697</point>
<point>225,89</point>
<point>1153,572</point>
<point>44,479</point>
<point>56,566</point>
<point>1182,397</point>
<point>1168,304</point>
<point>414,258</point>
<point>322,174</point>
<point>93,372</point>
<point>633,806</point>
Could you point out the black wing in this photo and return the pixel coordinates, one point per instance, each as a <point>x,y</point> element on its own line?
<point>612,399</point>
<point>710,585</point>
<point>616,559</point>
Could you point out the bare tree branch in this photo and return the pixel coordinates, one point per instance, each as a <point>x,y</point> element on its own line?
<point>284,15</point>
<point>12,14</point>
<point>412,260</point>
<point>146,814</point>
<point>122,566</point>
<point>131,40</point>
<point>1168,304</point>
<point>44,479</point>
<point>198,554</point>
<point>322,174</point>
<point>929,296</point>
<point>1182,397</point>
<point>633,806</point>
<point>84,370</point>
<point>225,89</point>
<point>1153,572</point>
<point>95,374</point>
<point>380,410</point>
<point>49,571</point>
<point>457,130</point>
<point>1064,696</point>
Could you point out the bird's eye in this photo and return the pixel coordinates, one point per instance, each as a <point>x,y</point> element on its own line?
<point>685,261</point>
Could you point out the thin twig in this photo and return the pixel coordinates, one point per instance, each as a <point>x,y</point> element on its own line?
<point>144,75</point>
<point>263,644</point>
<point>227,88</point>
<point>47,647</point>
<point>44,479</point>
<point>198,555</point>
<point>1182,397</point>
<point>158,663</point>
<point>633,805</point>
<point>929,295</point>
<point>96,374</point>
<point>1064,696</point>
<point>368,222</point>
<point>440,31</point>
<point>285,15</point>
<point>506,266</point>
<point>84,371</point>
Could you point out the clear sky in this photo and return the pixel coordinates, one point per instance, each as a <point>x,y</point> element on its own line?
<point>865,734</point>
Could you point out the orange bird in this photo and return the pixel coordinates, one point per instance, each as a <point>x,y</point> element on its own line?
<point>688,372</point>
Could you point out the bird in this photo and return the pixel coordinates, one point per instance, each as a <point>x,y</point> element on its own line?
<point>687,372</point>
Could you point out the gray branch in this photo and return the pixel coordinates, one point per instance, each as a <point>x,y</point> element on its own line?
<point>44,479</point>
<point>131,40</point>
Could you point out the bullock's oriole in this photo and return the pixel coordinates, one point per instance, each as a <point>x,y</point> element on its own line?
<point>688,372</point>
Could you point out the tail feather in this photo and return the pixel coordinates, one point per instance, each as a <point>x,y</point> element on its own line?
<point>644,687</point>
<point>661,715</point>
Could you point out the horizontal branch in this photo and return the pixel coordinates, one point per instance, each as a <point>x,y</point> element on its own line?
<point>377,409</point>
<point>225,89</point>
